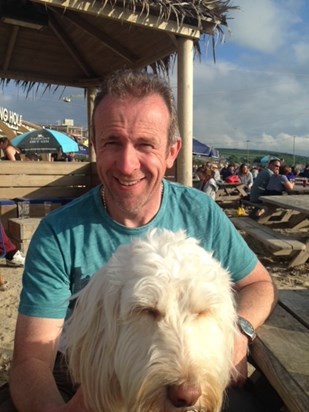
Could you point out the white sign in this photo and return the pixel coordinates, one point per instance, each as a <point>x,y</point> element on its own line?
<point>11,119</point>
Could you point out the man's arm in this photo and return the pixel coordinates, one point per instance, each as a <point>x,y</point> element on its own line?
<point>32,385</point>
<point>256,298</point>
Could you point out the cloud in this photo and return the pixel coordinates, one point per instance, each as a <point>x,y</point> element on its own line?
<point>262,25</point>
<point>301,52</point>
<point>233,104</point>
<point>258,89</point>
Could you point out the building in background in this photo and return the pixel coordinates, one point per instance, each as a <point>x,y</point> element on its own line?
<point>12,124</point>
<point>79,133</point>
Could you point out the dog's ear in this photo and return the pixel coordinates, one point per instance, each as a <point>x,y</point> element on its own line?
<point>91,340</point>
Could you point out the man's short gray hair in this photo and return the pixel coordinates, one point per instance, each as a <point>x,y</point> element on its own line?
<point>139,84</point>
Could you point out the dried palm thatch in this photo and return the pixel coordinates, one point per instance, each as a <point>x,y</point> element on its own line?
<point>76,42</point>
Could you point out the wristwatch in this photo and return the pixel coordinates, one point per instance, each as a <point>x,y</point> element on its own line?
<point>246,328</point>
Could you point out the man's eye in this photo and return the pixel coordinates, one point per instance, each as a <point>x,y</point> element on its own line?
<point>111,143</point>
<point>146,146</point>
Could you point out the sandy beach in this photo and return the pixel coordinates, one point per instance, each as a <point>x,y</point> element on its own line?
<point>284,277</point>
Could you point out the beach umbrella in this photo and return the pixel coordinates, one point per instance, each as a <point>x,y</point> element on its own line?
<point>265,159</point>
<point>83,150</point>
<point>45,141</point>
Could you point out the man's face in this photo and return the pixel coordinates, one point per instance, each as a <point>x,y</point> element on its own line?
<point>275,167</point>
<point>132,154</point>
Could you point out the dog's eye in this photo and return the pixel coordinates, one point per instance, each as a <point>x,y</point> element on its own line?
<point>202,313</point>
<point>153,312</point>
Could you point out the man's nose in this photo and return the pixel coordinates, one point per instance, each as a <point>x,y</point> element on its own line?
<point>128,160</point>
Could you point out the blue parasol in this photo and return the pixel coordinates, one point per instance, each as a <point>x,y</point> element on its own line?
<point>83,150</point>
<point>45,141</point>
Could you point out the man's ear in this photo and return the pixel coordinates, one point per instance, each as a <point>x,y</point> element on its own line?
<point>173,153</point>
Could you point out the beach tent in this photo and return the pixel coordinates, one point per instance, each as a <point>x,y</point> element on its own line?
<point>74,35</point>
<point>201,149</point>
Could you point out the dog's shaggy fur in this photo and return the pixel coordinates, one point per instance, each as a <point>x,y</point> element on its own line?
<point>154,329</point>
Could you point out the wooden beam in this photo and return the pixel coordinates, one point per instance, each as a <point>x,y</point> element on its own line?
<point>185,109</point>
<point>113,45</point>
<point>70,47</point>
<point>91,93</point>
<point>97,8</point>
<point>10,48</point>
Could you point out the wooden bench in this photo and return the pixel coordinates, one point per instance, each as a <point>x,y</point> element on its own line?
<point>279,244</point>
<point>40,181</point>
<point>271,215</point>
<point>280,350</point>
<point>253,205</point>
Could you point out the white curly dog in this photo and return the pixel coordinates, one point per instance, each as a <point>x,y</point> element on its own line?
<point>153,331</point>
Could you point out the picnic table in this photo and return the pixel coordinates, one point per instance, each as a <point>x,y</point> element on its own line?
<point>291,204</point>
<point>295,214</point>
<point>280,350</point>
<point>230,192</point>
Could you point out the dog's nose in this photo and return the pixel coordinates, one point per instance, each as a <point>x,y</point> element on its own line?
<point>184,394</point>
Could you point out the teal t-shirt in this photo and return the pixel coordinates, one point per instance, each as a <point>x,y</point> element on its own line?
<point>75,241</point>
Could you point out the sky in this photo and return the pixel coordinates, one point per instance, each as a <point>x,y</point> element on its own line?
<point>256,95</point>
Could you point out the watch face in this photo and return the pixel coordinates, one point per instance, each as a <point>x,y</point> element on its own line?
<point>246,328</point>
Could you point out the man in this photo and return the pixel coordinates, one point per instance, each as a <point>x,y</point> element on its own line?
<point>262,179</point>
<point>228,171</point>
<point>136,140</point>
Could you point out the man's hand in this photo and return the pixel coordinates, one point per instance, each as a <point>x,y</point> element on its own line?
<point>240,359</point>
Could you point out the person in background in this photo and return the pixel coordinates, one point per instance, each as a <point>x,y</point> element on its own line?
<point>71,157</point>
<point>305,172</point>
<point>209,185</point>
<point>254,171</point>
<point>228,171</point>
<point>13,256</point>
<point>216,171</point>
<point>260,183</point>
<point>278,184</point>
<point>200,173</point>
<point>58,156</point>
<point>10,152</point>
<point>287,171</point>
<point>32,157</point>
<point>135,139</point>
<point>245,177</point>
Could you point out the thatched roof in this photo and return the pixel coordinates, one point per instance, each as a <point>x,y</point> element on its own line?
<point>76,42</point>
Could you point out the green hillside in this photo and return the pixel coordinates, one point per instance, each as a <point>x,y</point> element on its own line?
<point>241,156</point>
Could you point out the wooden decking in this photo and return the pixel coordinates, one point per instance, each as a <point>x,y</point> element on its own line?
<point>281,349</point>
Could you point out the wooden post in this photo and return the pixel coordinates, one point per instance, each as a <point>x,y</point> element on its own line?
<point>91,93</point>
<point>185,109</point>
